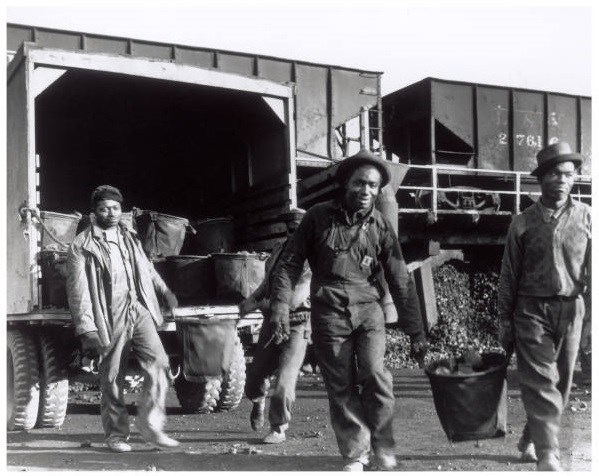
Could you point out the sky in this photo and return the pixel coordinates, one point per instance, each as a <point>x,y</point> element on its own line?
<point>536,45</point>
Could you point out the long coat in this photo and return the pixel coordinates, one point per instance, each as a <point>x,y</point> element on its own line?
<point>89,288</point>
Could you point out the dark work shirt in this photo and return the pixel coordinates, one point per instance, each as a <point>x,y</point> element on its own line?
<point>345,254</point>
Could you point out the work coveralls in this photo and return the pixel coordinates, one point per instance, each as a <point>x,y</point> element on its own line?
<point>286,359</point>
<point>545,271</point>
<point>111,287</point>
<point>348,326</point>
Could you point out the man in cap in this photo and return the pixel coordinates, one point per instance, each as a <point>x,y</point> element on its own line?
<point>286,358</point>
<point>112,290</point>
<point>346,242</point>
<point>544,274</point>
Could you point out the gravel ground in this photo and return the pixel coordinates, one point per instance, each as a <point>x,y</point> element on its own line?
<point>224,441</point>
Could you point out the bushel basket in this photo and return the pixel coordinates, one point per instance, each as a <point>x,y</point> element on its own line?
<point>161,235</point>
<point>471,406</point>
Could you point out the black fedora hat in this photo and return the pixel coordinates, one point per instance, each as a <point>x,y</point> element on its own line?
<point>364,157</point>
<point>554,154</point>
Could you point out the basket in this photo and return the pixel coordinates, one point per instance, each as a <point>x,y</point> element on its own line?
<point>63,226</point>
<point>161,235</point>
<point>191,278</point>
<point>54,277</point>
<point>215,235</point>
<point>237,275</point>
<point>471,406</point>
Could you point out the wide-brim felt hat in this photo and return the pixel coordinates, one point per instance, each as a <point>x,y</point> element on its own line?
<point>364,157</point>
<point>554,154</point>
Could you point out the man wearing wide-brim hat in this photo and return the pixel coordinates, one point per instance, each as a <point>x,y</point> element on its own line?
<point>347,242</point>
<point>545,277</point>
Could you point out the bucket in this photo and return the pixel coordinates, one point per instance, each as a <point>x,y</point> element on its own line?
<point>191,278</point>
<point>215,235</point>
<point>54,278</point>
<point>126,218</point>
<point>62,226</point>
<point>161,235</point>
<point>237,275</point>
<point>471,406</point>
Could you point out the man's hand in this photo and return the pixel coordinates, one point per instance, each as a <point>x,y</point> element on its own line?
<point>246,306</point>
<point>91,346</point>
<point>506,337</point>
<point>171,301</point>
<point>279,322</point>
<point>418,351</point>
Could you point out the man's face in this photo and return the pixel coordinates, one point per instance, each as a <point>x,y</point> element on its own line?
<point>108,213</point>
<point>292,226</point>
<point>362,188</point>
<point>557,182</point>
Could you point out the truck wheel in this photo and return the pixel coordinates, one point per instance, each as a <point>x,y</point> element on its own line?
<point>54,384</point>
<point>23,383</point>
<point>198,397</point>
<point>233,383</point>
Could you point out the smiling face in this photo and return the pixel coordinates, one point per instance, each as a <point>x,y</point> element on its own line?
<point>556,183</point>
<point>362,188</point>
<point>108,213</point>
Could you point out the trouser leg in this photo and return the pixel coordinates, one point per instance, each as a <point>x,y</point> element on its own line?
<point>376,381</point>
<point>262,367</point>
<point>291,359</point>
<point>154,362</point>
<point>547,336</point>
<point>334,345</point>
<point>112,368</point>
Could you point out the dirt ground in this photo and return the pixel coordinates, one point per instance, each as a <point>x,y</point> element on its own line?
<point>225,441</point>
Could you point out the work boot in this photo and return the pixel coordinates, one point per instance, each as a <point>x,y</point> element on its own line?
<point>118,445</point>
<point>549,461</point>
<point>527,451</point>
<point>257,414</point>
<point>384,461</point>
<point>275,436</point>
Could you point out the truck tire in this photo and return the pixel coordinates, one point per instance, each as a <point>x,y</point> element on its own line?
<point>54,384</point>
<point>23,382</point>
<point>233,382</point>
<point>198,397</point>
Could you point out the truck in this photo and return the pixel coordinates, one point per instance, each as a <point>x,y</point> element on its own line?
<point>188,131</point>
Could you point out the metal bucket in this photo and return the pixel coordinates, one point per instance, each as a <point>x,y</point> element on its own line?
<point>215,235</point>
<point>237,275</point>
<point>471,406</point>
<point>63,226</point>
<point>54,278</point>
<point>191,278</point>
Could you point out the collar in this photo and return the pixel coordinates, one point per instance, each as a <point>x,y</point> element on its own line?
<point>549,214</point>
<point>98,232</point>
<point>355,218</point>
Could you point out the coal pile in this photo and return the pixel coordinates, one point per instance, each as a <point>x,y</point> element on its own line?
<point>466,295</point>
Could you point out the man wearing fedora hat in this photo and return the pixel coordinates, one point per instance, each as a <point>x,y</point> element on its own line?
<point>346,242</point>
<point>545,275</point>
<point>284,360</point>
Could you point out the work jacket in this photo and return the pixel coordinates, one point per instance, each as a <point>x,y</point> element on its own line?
<point>89,288</point>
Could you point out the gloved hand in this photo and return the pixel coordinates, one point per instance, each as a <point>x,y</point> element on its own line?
<point>418,351</point>
<point>506,337</point>
<point>91,346</point>
<point>279,322</point>
<point>171,300</point>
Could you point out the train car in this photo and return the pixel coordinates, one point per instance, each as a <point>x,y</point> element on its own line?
<point>470,149</point>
